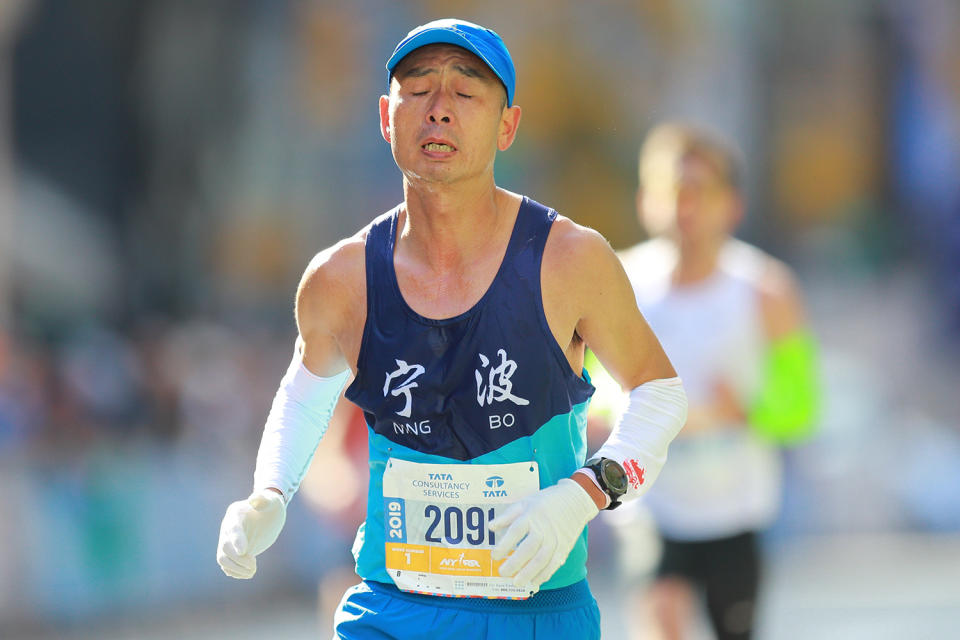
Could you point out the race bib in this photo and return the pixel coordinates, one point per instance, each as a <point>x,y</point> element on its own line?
<point>437,519</point>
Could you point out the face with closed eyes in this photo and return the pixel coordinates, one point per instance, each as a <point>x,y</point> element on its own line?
<point>446,116</point>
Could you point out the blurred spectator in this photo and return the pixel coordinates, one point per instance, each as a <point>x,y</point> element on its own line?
<point>924,96</point>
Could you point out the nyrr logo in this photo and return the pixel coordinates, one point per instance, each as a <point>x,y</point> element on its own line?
<point>461,561</point>
<point>494,490</point>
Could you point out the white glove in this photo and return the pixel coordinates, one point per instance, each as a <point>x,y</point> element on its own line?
<point>248,529</point>
<point>548,522</point>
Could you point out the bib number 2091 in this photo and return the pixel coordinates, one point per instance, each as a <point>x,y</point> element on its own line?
<point>456,525</point>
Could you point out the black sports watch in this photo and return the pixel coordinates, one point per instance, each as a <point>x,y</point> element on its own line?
<point>611,477</point>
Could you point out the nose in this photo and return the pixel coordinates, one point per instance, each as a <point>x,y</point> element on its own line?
<point>439,109</point>
<point>687,199</point>
<point>687,207</point>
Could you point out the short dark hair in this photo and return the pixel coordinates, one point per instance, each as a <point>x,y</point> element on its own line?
<point>684,140</point>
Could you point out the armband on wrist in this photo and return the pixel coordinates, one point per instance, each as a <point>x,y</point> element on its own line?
<point>785,408</point>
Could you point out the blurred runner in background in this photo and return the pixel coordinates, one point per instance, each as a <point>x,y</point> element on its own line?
<point>731,318</point>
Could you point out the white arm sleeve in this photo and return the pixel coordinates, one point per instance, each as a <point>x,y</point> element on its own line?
<point>298,418</point>
<point>654,416</point>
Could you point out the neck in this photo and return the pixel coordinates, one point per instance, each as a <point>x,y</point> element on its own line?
<point>696,262</point>
<point>442,223</point>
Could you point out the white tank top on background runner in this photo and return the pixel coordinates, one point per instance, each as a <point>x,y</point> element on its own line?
<point>722,481</point>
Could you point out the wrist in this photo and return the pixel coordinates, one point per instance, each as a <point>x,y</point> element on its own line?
<point>278,492</point>
<point>588,482</point>
<point>270,494</point>
<point>610,477</point>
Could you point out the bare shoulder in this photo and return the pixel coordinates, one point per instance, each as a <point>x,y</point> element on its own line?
<point>333,286</point>
<point>575,252</point>
<point>776,278</point>
<point>338,267</point>
<point>580,274</point>
<point>586,293</point>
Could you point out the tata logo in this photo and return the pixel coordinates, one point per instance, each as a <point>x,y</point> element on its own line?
<point>440,476</point>
<point>493,490</point>
<point>494,482</point>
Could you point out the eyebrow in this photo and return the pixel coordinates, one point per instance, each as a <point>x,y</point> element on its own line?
<point>419,72</point>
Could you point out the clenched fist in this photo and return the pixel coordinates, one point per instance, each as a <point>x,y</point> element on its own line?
<point>248,529</point>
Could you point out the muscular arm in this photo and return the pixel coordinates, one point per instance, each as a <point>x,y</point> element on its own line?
<point>331,308</point>
<point>326,305</point>
<point>302,407</point>
<point>587,293</point>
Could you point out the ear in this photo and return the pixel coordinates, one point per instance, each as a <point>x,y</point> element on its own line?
<point>385,117</point>
<point>509,123</point>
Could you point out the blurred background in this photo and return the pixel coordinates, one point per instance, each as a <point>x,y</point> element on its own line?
<point>168,168</point>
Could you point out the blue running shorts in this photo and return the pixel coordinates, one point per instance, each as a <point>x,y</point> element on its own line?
<point>378,611</point>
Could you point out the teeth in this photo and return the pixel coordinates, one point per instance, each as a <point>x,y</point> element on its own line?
<point>436,146</point>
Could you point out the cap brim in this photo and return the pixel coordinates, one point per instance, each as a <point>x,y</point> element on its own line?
<point>438,36</point>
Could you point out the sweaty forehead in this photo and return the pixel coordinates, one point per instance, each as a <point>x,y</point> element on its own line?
<point>435,56</point>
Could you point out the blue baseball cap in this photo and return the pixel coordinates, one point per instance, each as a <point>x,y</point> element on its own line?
<point>482,42</point>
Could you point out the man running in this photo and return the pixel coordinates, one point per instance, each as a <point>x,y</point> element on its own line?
<point>463,314</point>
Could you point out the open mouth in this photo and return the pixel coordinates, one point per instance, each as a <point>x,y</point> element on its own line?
<point>437,146</point>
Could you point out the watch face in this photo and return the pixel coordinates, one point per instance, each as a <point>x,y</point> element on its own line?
<point>614,476</point>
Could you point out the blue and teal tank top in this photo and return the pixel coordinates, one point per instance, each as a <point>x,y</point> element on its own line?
<point>488,386</point>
